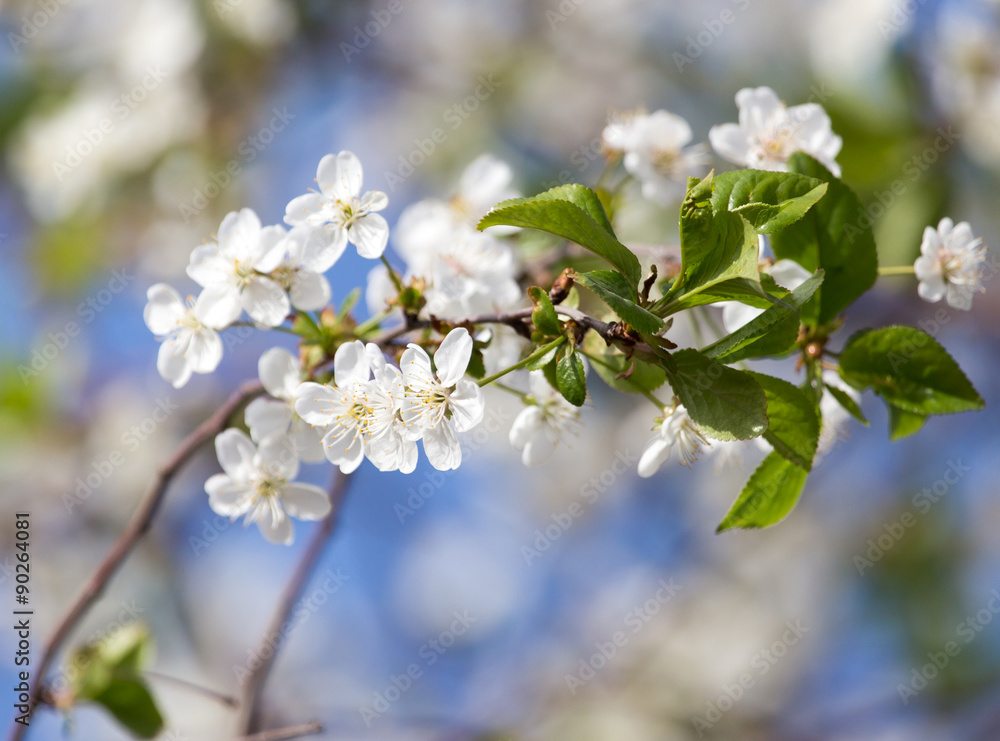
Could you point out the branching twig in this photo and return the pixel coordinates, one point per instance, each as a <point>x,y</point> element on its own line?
<point>254,683</point>
<point>283,734</point>
<point>127,541</point>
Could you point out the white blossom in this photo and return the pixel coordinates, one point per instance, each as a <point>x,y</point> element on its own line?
<point>543,424</point>
<point>341,208</point>
<point>438,405</point>
<point>357,410</point>
<point>950,264</point>
<point>259,482</point>
<point>393,451</point>
<point>268,417</point>
<point>655,152</point>
<point>308,254</point>
<point>234,271</point>
<point>768,133</point>
<point>190,342</point>
<point>677,430</point>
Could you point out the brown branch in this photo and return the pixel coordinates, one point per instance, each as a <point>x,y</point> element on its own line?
<point>254,684</point>
<point>127,541</point>
<point>282,734</point>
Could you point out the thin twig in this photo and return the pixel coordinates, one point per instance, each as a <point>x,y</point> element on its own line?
<point>282,734</point>
<point>254,683</point>
<point>211,694</point>
<point>127,541</point>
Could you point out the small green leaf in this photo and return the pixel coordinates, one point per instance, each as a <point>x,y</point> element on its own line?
<point>836,236</point>
<point>793,428</point>
<point>615,291</point>
<point>768,200</point>
<point>544,315</point>
<point>848,403</point>
<point>550,373</point>
<point>902,423</point>
<point>772,333</point>
<point>570,377</point>
<point>349,301</point>
<point>725,403</point>
<point>543,360</point>
<point>769,495</point>
<point>573,212</point>
<point>609,363</point>
<point>306,328</point>
<point>130,702</point>
<point>909,369</point>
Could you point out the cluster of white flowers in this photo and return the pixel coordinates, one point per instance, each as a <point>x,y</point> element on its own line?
<point>265,270</point>
<point>950,265</point>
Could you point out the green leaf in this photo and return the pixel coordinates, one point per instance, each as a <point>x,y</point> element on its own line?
<point>769,495</point>
<point>573,212</point>
<point>609,363</point>
<point>793,428</point>
<point>772,333</point>
<point>909,369</point>
<point>543,360</point>
<point>544,315</point>
<point>571,378</point>
<point>902,423</point>
<point>768,200</point>
<point>130,702</point>
<point>348,303</point>
<point>615,291</point>
<point>835,236</point>
<point>725,403</point>
<point>550,373</point>
<point>716,246</point>
<point>848,403</point>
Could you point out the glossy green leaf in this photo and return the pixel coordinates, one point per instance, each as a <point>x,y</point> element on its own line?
<point>769,495</point>
<point>902,423</point>
<point>793,428</point>
<point>571,378</point>
<point>615,291</point>
<point>130,702</point>
<point>544,315</point>
<point>847,403</point>
<point>768,200</point>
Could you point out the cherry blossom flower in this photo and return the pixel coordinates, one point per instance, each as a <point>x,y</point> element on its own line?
<point>950,264</point>
<point>439,405</point>
<point>768,133</point>
<point>190,342</point>
<point>541,426</point>
<point>340,206</point>
<point>393,451</point>
<point>259,482</point>
<point>655,152</point>
<point>233,271</point>
<point>308,254</point>
<point>677,430</point>
<point>266,418</point>
<point>357,410</point>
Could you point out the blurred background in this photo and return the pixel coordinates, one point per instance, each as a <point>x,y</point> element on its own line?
<point>804,631</point>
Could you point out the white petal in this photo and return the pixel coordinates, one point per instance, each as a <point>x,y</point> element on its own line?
<point>441,447</point>
<point>164,309</point>
<point>729,142</point>
<point>930,245</point>
<point>736,315</point>
<point>280,532</point>
<point>340,177</point>
<point>239,233</point>
<point>314,403</point>
<point>789,274</point>
<point>350,364</point>
<point>539,448</point>
<point>374,200</point>
<point>416,365</point>
<point>208,266</point>
<point>452,357</point>
<point>276,457</point>
<point>279,372</point>
<point>318,248</point>
<point>370,234</point>
<point>484,183</point>
<point>267,417</point>
<point>218,306</point>
<point>348,457</point>
<point>309,291</point>
<point>171,363</point>
<point>525,426</point>
<point>656,453</point>
<point>305,209</point>
<point>225,496</point>
<point>270,250</point>
<point>308,441</point>
<point>236,454</point>
<point>204,351</point>
<point>265,301</point>
<point>305,501</point>
<point>467,405</point>
<point>932,289</point>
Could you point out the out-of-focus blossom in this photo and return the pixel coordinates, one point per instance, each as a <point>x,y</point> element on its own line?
<point>542,425</point>
<point>190,342</point>
<point>677,430</point>
<point>950,264</point>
